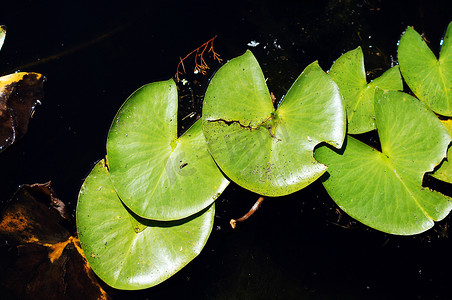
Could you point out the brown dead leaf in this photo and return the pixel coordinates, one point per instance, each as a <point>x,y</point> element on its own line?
<point>19,95</point>
<point>40,258</point>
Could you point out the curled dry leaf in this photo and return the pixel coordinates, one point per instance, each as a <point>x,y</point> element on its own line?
<point>19,95</point>
<point>40,258</point>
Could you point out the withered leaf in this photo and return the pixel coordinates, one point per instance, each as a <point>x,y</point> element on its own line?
<point>40,258</point>
<point>19,95</point>
<point>2,35</point>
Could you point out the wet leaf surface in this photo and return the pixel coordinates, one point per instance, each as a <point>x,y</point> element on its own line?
<point>19,95</point>
<point>40,256</point>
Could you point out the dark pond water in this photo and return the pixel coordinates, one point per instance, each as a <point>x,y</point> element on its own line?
<point>294,247</point>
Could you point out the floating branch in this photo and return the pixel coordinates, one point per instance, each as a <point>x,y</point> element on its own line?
<point>200,64</point>
<point>248,214</point>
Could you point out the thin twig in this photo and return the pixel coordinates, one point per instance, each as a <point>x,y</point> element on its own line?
<point>248,214</point>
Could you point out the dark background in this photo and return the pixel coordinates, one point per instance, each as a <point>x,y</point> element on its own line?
<point>297,247</point>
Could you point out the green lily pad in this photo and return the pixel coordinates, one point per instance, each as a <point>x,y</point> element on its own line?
<point>384,189</point>
<point>429,78</point>
<point>270,151</point>
<point>349,74</point>
<point>156,174</point>
<point>128,252</point>
<point>444,172</point>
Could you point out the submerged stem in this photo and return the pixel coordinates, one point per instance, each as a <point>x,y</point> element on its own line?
<point>248,214</point>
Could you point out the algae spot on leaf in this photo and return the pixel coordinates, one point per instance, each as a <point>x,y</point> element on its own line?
<point>270,151</point>
<point>429,78</point>
<point>384,189</point>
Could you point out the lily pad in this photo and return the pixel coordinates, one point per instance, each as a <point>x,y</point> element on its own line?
<point>266,150</point>
<point>384,189</point>
<point>128,252</point>
<point>158,175</point>
<point>444,172</point>
<point>349,74</point>
<point>429,78</point>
